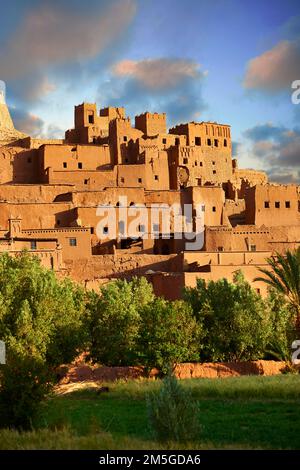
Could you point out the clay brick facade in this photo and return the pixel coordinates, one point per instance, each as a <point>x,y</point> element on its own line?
<point>50,191</point>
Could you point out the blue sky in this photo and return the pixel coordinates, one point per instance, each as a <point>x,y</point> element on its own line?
<point>229,61</point>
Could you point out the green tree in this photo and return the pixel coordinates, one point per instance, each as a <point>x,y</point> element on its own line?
<point>284,276</point>
<point>41,323</point>
<point>168,334</point>
<point>115,320</point>
<point>233,317</point>
<point>282,331</point>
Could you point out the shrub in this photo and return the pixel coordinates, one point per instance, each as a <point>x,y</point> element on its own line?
<point>41,323</point>
<point>115,321</point>
<point>234,319</point>
<point>283,331</point>
<point>172,413</point>
<point>168,334</point>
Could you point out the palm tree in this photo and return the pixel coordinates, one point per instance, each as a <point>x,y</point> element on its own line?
<point>285,278</point>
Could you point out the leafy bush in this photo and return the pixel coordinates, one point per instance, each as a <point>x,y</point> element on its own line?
<point>115,321</point>
<point>168,334</point>
<point>41,322</point>
<point>234,319</point>
<point>283,331</point>
<point>172,413</point>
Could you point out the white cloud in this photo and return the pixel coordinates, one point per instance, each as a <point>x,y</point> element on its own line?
<point>275,69</point>
<point>158,73</point>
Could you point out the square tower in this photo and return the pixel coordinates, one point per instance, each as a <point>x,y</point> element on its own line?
<point>151,124</point>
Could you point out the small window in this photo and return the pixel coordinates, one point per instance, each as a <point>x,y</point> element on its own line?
<point>80,165</point>
<point>267,205</point>
<point>216,143</point>
<point>214,208</point>
<point>92,230</point>
<point>121,227</point>
<point>257,290</point>
<point>125,138</point>
<point>91,118</point>
<point>140,180</point>
<point>213,163</point>
<point>155,227</point>
<point>156,177</point>
<point>164,141</point>
<point>225,142</point>
<point>199,181</point>
<point>214,172</point>
<point>131,204</point>
<point>197,140</point>
<point>287,204</point>
<point>105,229</point>
<point>177,141</point>
<point>277,205</point>
<point>122,179</point>
<point>185,160</point>
<point>203,208</point>
<point>86,181</point>
<point>72,242</point>
<point>65,164</point>
<point>201,164</point>
<point>33,245</point>
<point>252,247</point>
<point>196,163</point>
<point>208,141</point>
<point>220,248</point>
<point>141,228</point>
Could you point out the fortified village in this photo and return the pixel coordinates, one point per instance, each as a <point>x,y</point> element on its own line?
<point>50,191</point>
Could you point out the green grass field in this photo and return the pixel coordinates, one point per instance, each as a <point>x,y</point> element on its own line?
<point>235,413</point>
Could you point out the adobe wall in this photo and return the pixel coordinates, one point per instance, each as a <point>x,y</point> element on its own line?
<point>75,157</point>
<point>79,371</point>
<point>37,215</point>
<point>242,179</point>
<point>108,196</point>
<point>234,258</point>
<point>168,285</point>
<point>157,173</point>
<point>131,176</point>
<point>31,192</point>
<point>82,236</point>
<point>272,205</point>
<point>120,134</point>
<point>242,237</point>
<point>49,258</point>
<point>228,271</point>
<point>18,165</point>
<point>83,180</point>
<point>33,143</point>
<point>211,199</point>
<point>202,165</point>
<point>151,124</point>
<point>120,266</point>
<point>88,216</point>
<point>234,212</point>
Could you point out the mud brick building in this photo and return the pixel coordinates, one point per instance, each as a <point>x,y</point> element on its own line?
<point>50,191</point>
